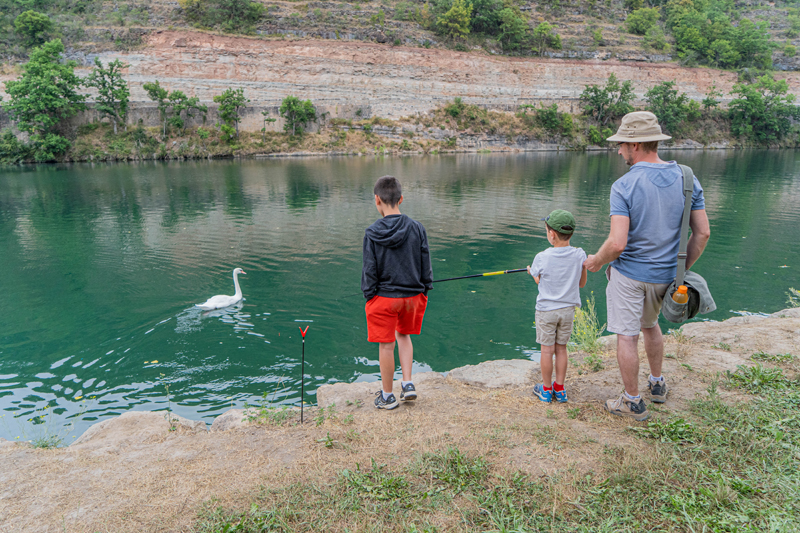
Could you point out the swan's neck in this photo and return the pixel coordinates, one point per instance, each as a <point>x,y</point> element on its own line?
<point>236,285</point>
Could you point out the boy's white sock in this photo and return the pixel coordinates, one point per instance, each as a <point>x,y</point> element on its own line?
<point>404,383</point>
<point>633,398</point>
<point>385,394</point>
<point>659,379</point>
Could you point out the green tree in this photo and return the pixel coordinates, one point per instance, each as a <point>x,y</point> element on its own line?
<point>609,102</point>
<point>544,37</point>
<point>267,119</point>
<point>486,16</point>
<point>671,108</point>
<point>642,20</point>
<point>455,23</point>
<point>513,29</point>
<point>722,53</point>
<point>160,96</point>
<point>762,110</point>
<point>33,27</point>
<point>45,94</point>
<point>230,102</point>
<point>753,43</point>
<point>297,113</point>
<point>112,90</point>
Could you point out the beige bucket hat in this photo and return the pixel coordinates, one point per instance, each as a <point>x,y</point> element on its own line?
<point>639,127</point>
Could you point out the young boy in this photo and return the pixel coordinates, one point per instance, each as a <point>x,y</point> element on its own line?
<point>559,272</point>
<point>395,278</point>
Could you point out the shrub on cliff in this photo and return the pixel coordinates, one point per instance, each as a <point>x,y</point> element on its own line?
<point>33,27</point>
<point>227,15</point>
<point>642,20</point>
<point>455,23</point>
<point>544,37</point>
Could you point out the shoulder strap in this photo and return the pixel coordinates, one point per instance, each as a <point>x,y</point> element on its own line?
<point>688,189</point>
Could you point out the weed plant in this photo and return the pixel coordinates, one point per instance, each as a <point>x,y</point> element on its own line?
<point>586,329</point>
<point>794,297</point>
<point>758,379</point>
<point>773,358</point>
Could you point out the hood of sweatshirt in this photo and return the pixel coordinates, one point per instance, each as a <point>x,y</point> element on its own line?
<point>390,231</point>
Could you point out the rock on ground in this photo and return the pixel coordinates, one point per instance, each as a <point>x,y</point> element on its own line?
<point>497,374</point>
<point>133,427</point>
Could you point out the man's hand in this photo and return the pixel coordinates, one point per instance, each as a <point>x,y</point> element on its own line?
<point>592,264</point>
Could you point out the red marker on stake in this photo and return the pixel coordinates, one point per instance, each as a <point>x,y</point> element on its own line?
<point>302,371</point>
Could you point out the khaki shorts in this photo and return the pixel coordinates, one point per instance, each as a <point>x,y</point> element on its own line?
<point>632,305</point>
<point>554,327</point>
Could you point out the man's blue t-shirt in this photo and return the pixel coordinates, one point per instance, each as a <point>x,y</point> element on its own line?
<point>651,195</point>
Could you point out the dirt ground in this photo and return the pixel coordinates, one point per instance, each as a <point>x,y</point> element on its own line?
<point>140,476</point>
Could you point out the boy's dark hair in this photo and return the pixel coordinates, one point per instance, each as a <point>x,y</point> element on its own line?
<point>559,236</point>
<point>388,190</point>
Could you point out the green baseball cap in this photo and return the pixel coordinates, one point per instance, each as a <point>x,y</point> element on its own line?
<point>561,221</point>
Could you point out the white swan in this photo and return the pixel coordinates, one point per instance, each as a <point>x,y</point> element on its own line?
<point>220,301</point>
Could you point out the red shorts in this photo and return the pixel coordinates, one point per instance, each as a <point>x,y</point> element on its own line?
<point>387,315</point>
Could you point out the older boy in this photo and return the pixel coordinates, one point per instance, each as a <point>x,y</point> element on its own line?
<point>395,278</point>
<point>560,273</point>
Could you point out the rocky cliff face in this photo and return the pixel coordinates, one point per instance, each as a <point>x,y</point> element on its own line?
<point>393,81</point>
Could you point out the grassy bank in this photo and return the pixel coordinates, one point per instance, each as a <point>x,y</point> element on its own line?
<point>720,466</point>
<point>442,130</point>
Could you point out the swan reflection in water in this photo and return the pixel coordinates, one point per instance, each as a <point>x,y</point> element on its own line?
<point>191,320</point>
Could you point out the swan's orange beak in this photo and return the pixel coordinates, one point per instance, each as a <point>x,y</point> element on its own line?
<point>243,272</point>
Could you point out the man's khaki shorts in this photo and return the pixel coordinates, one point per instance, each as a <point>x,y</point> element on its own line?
<point>632,305</point>
<point>554,327</point>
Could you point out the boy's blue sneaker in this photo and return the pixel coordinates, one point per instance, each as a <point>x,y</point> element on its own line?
<point>544,395</point>
<point>561,396</point>
<point>408,393</point>
<point>389,403</point>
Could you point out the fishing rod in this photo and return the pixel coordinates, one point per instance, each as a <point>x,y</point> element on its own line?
<point>499,272</point>
<point>303,373</point>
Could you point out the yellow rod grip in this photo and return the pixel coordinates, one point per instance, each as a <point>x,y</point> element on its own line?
<point>495,273</point>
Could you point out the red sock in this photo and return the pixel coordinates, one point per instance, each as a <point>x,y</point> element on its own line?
<point>545,387</point>
<point>557,387</point>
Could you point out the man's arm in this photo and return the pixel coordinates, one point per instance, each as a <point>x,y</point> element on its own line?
<point>701,232</point>
<point>615,244</point>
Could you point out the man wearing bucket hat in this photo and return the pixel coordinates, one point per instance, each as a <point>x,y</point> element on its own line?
<point>647,206</point>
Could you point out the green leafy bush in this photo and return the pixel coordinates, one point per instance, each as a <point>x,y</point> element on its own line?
<point>34,27</point>
<point>642,20</point>
<point>227,15</point>
<point>763,110</point>
<point>297,113</point>
<point>609,102</point>
<point>671,108</point>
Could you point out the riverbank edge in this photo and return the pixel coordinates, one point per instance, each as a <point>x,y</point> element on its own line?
<point>493,374</point>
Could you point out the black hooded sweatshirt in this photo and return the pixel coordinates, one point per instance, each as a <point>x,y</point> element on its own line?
<point>397,262</point>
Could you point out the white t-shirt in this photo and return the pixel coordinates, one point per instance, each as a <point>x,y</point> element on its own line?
<point>559,272</point>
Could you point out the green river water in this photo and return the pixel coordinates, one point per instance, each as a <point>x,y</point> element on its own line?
<point>101,266</point>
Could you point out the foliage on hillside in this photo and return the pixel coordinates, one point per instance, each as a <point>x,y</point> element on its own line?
<point>719,33</point>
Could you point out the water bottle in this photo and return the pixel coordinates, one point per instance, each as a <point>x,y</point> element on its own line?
<point>681,296</point>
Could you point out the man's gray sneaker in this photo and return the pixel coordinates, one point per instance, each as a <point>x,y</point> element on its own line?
<point>389,403</point>
<point>408,393</point>
<point>625,407</point>
<point>658,391</point>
